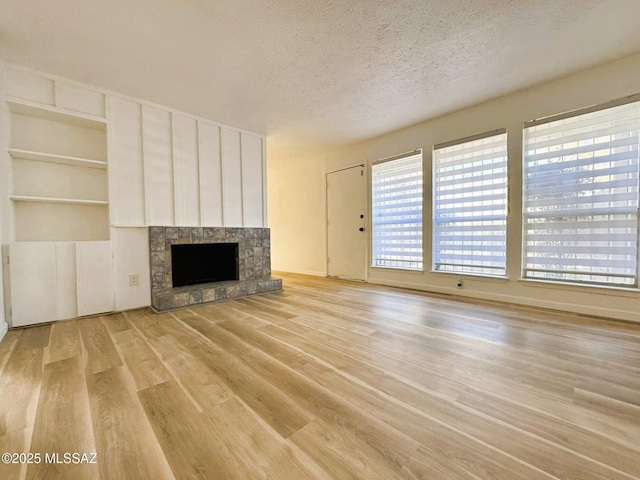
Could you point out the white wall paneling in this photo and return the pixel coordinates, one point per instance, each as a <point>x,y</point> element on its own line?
<point>185,171</point>
<point>131,257</point>
<point>69,183</point>
<point>210,174</point>
<point>79,99</point>
<point>158,166</point>
<point>231,178</point>
<point>265,197</point>
<point>28,86</point>
<point>252,180</point>
<point>94,277</point>
<point>126,173</point>
<point>32,273</point>
<point>167,169</point>
<point>35,88</point>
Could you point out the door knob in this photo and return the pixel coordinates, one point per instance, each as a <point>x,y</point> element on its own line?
<point>361,229</point>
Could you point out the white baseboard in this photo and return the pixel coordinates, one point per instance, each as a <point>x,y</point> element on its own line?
<point>517,300</point>
<point>301,272</point>
<point>4,328</point>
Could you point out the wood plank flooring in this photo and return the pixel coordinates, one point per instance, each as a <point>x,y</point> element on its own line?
<point>326,380</point>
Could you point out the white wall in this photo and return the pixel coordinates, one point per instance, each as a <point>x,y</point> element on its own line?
<point>169,168</point>
<point>297,208</point>
<point>130,257</point>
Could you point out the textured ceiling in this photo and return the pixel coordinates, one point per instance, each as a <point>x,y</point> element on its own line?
<point>313,75</point>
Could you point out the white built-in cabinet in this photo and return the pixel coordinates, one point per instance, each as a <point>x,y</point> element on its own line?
<point>57,280</point>
<point>58,194</point>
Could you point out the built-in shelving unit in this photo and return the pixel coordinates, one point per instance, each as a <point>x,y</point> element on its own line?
<point>56,188</point>
<point>59,173</point>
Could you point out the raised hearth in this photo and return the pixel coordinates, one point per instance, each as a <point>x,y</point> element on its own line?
<point>254,265</point>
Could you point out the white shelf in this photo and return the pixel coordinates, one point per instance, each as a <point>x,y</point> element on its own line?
<point>26,107</point>
<point>60,159</point>
<point>65,201</point>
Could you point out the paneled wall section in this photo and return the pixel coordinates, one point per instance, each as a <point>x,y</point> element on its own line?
<point>118,164</point>
<point>171,169</point>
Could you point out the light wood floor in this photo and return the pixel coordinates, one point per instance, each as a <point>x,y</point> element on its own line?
<point>327,380</point>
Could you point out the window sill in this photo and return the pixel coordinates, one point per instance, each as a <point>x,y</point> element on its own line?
<point>397,269</point>
<point>479,276</point>
<point>629,292</point>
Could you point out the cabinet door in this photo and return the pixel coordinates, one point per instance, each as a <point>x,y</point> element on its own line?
<point>94,277</point>
<point>66,276</point>
<point>33,277</point>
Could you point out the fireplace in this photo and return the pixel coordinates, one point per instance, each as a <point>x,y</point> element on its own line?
<point>246,253</point>
<point>193,264</point>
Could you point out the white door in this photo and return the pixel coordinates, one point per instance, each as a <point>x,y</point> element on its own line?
<point>346,238</point>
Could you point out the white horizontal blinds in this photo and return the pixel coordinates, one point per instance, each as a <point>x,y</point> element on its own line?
<point>470,206</point>
<point>397,213</point>
<point>581,198</point>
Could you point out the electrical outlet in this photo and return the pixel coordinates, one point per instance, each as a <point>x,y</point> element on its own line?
<point>134,280</point>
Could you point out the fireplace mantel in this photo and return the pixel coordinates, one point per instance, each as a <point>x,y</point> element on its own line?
<point>254,265</point>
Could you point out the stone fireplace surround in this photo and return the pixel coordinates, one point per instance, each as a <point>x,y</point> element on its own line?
<point>254,265</point>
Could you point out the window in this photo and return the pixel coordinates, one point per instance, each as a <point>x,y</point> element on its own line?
<point>470,205</point>
<point>397,212</point>
<point>580,196</point>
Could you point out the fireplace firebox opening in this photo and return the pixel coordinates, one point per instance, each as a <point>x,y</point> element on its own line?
<point>192,264</point>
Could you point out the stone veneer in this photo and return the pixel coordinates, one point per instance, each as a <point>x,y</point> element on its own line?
<point>254,265</point>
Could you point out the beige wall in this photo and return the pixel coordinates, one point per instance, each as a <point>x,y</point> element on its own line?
<point>297,205</point>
